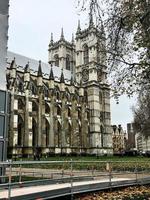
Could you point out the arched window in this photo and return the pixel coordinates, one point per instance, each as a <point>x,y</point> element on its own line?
<point>100,97</point>
<point>20,130</point>
<point>59,110</point>
<point>98,53</point>
<point>20,87</point>
<point>58,95</point>
<point>102,132</point>
<point>80,136</point>
<point>69,133</point>
<point>69,112</point>
<point>20,104</point>
<point>34,106</point>
<point>68,62</point>
<point>79,114</point>
<point>88,115</point>
<point>46,92</point>
<point>56,57</point>
<point>47,128</point>
<point>58,140</point>
<point>33,89</point>
<point>34,133</point>
<point>47,108</point>
<point>85,96</point>
<point>85,54</point>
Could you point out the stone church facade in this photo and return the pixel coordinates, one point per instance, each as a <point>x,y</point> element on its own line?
<point>56,115</point>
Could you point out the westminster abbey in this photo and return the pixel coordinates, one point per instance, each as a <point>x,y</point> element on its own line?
<point>62,107</point>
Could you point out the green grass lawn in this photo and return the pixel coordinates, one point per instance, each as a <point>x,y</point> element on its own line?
<point>92,158</point>
<point>117,163</point>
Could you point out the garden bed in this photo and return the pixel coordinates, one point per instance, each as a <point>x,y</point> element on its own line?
<point>129,193</point>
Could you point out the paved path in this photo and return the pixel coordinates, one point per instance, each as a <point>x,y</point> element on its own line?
<point>16,192</point>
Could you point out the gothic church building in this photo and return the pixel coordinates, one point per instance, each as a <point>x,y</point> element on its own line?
<point>62,107</point>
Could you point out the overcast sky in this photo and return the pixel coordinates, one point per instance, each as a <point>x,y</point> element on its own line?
<point>30,25</point>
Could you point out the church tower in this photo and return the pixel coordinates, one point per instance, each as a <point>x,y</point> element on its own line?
<point>61,53</point>
<point>91,74</point>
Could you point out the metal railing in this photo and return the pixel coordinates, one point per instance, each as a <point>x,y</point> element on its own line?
<point>30,173</point>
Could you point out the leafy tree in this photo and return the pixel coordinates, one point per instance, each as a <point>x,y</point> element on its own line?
<point>127,27</point>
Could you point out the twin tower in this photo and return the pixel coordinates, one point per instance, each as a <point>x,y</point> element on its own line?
<point>85,57</point>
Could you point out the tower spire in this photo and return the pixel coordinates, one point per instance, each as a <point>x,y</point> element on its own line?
<point>91,23</point>
<point>51,76</point>
<point>79,28</point>
<point>72,38</point>
<point>26,69</point>
<point>62,34</point>
<point>13,64</point>
<point>52,38</point>
<point>39,69</point>
<point>62,79</point>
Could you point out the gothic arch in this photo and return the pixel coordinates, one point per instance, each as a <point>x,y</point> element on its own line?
<point>34,106</point>
<point>80,135</point>
<point>79,114</point>
<point>100,97</point>
<point>88,120</point>
<point>33,87</point>
<point>56,58</point>
<point>20,104</point>
<point>57,93</point>
<point>69,133</point>
<point>98,53</point>
<point>67,93</point>
<point>68,62</point>
<point>85,54</point>
<point>85,96</point>
<point>20,130</point>
<point>47,108</point>
<point>58,134</point>
<point>19,83</point>
<point>102,135</point>
<point>34,133</point>
<point>58,110</point>
<point>76,95</point>
<point>46,90</point>
<point>21,86</point>
<point>88,115</point>
<point>69,112</point>
<point>47,129</point>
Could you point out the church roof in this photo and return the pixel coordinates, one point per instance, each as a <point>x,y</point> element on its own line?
<point>21,62</point>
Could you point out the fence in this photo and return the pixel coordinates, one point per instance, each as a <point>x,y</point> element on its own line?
<point>31,173</point>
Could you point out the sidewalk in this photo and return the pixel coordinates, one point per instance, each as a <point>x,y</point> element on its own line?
<point>19,192</point>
